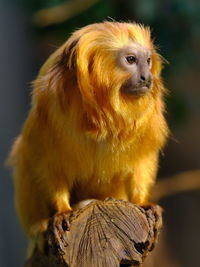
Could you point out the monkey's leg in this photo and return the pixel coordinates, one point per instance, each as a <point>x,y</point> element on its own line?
<point>143,178</point>
<point>36,202</point>
<point>31,205</point>
<point>61,199</point>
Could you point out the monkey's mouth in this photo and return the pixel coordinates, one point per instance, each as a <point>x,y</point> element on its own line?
<point>137,91</point>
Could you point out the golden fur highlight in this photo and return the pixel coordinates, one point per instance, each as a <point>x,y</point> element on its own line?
<point>83,137</point>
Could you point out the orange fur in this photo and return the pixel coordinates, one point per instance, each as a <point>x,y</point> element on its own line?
<point>83,137</point>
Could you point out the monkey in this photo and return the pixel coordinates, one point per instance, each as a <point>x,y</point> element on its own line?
<point>96,124</point>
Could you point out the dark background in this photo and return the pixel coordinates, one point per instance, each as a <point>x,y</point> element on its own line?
<point>25,45</point>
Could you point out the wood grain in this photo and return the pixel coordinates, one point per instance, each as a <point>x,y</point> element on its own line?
<point>102,233</point>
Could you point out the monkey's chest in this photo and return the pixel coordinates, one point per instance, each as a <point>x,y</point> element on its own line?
<point>106,177</point>
<point>97,188</point>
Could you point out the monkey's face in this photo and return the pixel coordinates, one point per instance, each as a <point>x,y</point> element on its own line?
<point>136,60</point>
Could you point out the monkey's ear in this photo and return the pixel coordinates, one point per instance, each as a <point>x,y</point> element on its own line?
<point>53,74</point>
<point>67,59</point>
<point>62,59</point>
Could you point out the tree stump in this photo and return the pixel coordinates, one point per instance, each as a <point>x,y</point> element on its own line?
<point>100,234</point>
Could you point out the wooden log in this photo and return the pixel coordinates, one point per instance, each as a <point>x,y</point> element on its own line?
<point>100,234</point>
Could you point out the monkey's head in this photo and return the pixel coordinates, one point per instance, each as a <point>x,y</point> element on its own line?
<point>116,70</point>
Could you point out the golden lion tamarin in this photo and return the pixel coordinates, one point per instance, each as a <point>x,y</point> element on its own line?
<point>96,124</point>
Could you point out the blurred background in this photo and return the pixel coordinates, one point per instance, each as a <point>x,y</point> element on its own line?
<point>31,30</point>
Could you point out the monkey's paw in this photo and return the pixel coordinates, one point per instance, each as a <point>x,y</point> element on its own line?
<point>58,226</point>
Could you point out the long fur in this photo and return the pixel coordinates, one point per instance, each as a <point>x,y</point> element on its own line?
<point>83,137</point>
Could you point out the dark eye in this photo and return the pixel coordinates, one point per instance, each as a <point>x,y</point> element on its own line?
<point>131,59</point>
<point>149,61</point>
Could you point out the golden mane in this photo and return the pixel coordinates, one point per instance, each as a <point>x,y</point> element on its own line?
<point>89,59</point>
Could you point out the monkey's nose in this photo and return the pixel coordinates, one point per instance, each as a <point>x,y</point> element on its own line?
<point>143,78</point>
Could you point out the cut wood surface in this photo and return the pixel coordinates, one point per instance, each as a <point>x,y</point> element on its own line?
<point>100,234</point>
